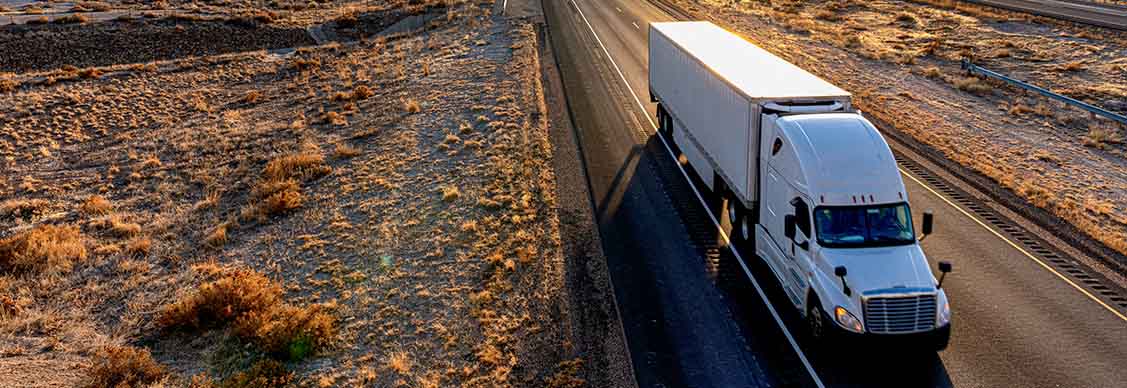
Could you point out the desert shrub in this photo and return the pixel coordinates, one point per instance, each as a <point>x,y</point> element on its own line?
<point>95,205</point>
<point>8,85</point>
<point>412,106</point>
<point>220,302</point>
<point>281,202</point>
<point>263,374</point>
<point>252,306</point>
<point>8,307</point>
<point>973,85</point>
<point>72,19</point>
<point>287,332</point>
<point>124,366</point>
<point>21,208</point>
<point>44,248</point>
<point>301,166</point>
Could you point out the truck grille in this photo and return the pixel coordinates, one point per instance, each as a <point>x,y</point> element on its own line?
<point>907,314</point>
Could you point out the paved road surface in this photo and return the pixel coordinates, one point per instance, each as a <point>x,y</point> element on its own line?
<point>691,322</point>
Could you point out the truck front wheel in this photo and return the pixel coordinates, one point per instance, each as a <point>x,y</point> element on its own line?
<point>817,321</point>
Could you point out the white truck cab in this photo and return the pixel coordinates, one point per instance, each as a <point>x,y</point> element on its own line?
<point>836,229</point>
<point>803,180</point>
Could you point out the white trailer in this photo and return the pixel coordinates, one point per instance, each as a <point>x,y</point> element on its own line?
<point>804,181</point>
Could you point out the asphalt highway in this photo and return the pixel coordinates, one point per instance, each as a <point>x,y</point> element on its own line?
<point>690,314</point>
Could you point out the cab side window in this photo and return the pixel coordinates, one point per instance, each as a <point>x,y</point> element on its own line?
<point>801,216</point>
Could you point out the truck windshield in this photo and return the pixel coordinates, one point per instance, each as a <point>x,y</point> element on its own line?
<point>864,226</point>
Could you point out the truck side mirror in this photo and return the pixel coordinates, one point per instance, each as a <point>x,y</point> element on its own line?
<point>944,269</point>
<point>840,272</point>
<point>788,226</point>
<point>929,224</point>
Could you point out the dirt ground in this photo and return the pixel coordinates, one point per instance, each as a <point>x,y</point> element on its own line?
<point>900,59</point>
<point>401,183</point>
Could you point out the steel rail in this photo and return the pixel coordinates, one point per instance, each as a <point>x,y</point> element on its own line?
<point>976,69</point>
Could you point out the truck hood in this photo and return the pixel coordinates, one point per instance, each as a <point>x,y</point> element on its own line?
<point>882,268</point>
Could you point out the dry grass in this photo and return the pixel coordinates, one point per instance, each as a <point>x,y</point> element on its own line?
<point>21,208</point>
<point>973,85</point>
<point>263,374</point>
<point>139,246</point>
<point>1073,66</point>
<point>8,85</point>
<point>72,19</point>
<point>252,97</point>
<point>450,194</point>
<point>1101,138</point>
<point>303,166</point>
<point>253,307</point>
<point>344,151</point>
<point>411,106</point>
<point>399,362</point>
<point>46,248</point>
<point>96,205</point>
<point>217,237</point>
<point>125,366</point>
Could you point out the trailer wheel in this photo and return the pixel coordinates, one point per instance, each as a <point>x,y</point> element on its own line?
<point>740,221</point>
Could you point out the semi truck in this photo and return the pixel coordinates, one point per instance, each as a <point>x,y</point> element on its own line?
<point>799,177</point>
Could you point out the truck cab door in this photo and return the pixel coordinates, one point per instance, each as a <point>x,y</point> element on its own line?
<point>798,262</point>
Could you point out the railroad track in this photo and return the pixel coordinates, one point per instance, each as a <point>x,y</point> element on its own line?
<point>1087,12</point>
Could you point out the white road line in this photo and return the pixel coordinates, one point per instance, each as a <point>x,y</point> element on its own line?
<point>619,9</point>
<point>1019,248</point>
<point>739,259</point>
<point>636,27</point>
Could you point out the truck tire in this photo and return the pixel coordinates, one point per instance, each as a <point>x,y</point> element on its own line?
<point>738,218</point>
<point>817,320</point>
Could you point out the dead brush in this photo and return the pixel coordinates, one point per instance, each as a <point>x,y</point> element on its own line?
<point>220,302</point>
<point>90,73</point>
<point>95,205</point>
<point>1072,66</point>
<point>252,97</point>
<point>124,366</point>
<point>72,19</point>
<point>21,208</point>
<point>46,248</point>
<point>252,306</point>
<point>973,85</point>
<point>8,85</point>
<point>827,15</point>
<point>139,246</point>
<point>304,166</point>
<point>217,237</point>
<point>263,374</point>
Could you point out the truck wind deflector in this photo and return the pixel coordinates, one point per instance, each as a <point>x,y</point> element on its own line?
<point>826,107</point>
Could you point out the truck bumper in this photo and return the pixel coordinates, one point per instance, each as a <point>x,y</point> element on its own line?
<point>934,340</point>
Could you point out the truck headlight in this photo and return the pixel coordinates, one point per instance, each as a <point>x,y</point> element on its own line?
<point>847,320</point>
<point>943,316</point>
